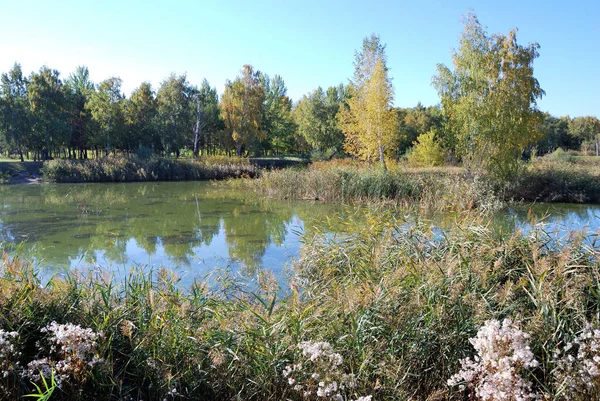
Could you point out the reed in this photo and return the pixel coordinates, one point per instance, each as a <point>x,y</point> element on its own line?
<point>386,311</point>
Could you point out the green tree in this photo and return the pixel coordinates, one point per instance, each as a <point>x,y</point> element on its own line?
<point>426,151</point>
<point>587,130</point>
<point>14,108</point>
<point>207,116</point>
<point>174,99</point>
<point>369,123</point>
<point>278,122</point>
<point>48,107</point>
<point>79,90</point>
<point>242,107</point>
<point>416,121</point>
<point>315,116</point>
<point>141,111</point>
<point>490,99</point>
<point>106,105</point>
<point>555,135</point>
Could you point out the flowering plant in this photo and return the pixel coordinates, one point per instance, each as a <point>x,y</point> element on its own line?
<point>319,373</point>
<point>496,372</point>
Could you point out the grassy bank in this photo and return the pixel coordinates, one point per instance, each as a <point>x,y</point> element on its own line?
<point>120,169</point>
<point>386,312</point>
<point>341,181</point>
<point>553,179</point>
<point>548,179</point>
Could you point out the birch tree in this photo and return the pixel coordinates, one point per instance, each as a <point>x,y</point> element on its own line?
<point>490,99</point>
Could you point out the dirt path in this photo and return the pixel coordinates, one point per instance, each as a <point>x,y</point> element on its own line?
<point>25,178</point>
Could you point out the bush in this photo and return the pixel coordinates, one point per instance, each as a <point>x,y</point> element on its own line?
<point>426,151</point>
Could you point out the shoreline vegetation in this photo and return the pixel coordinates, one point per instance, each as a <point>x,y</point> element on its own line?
<point>384,313</point>
<point>121,169</point>
<point>557,177</point>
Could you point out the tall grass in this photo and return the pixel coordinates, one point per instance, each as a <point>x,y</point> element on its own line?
<point>558,177</point>
<point>398,302</point>
<point>121,169</point>
<point>433,190</point>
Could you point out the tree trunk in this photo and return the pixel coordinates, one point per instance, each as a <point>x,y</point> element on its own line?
<point>382,157</point>
<point>197,128</point>
<point>108,139</point>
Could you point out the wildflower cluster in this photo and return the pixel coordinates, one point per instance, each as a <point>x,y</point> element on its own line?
<point>503,355</point>
<point>73,353</point>
<point>9,354</point>
<point>319,373</point>
<point>578,366</point>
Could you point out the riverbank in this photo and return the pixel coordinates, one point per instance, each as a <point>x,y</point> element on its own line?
<point>387,312</point>
<point>15,172</point>
<point>433,189</point>
<point>547,179</point>
<point>121,169</point>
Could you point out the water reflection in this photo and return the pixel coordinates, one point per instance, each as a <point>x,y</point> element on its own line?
<point>188,224</point>
<point>198,227</point>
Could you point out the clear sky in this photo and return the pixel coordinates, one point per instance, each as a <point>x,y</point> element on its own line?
<point>309,43</point>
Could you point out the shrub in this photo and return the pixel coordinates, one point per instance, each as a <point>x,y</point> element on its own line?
<point>426,151</point>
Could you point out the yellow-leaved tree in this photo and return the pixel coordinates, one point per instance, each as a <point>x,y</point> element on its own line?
<point>242,108</point>
<point>368,121</point>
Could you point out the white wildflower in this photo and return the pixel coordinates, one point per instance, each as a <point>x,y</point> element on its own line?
<point>503,352</point>
<point>578,365</point>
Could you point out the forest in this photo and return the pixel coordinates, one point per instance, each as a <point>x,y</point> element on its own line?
<point>46,115</point>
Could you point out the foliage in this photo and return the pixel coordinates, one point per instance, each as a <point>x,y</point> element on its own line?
<point>153,169</point>
<point>315,114</point>
<point>368,121</point>
<point>426,151</point>
<point>419,120</point>
<point>48,107</point>
<point>587,130</point>
<point>490,98</point>
<point>14,108</point>
<point>106,106</point>
<point>173,99</point>
<point>278,121</point>
<point>241,106</point>
<point>208,120</point>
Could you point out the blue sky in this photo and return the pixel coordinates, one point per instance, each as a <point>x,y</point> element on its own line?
<point>309,43</point>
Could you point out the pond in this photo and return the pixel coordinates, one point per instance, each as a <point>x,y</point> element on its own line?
<point>191,226</point>
<point>194,227</point>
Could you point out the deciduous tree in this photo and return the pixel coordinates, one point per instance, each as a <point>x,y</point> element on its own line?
<point>587,130</point>
<point>242,107</point>
<point>174,107</point>
<point>316,118</point>
<point>369,123</point>
<point>14,108</point>
<point>106,105</point>
<point>490,98</point>
<point>48,106</point>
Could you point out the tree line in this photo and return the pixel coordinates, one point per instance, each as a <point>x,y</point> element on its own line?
<point>488,112</point>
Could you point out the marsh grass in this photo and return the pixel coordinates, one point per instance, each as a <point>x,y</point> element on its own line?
<point>397,300</point>
<point>573,179</point>
<point>122,169</point>
<point>431,189</point>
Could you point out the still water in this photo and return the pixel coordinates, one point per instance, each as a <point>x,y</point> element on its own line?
<point>194,227</point>
<point>191,226</point>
